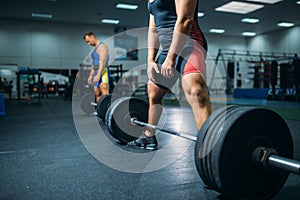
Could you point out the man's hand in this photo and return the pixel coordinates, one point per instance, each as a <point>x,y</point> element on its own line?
<point>167,68</point>
<point>96,78</point>
<point>152,69</point>
<point>90,80</point>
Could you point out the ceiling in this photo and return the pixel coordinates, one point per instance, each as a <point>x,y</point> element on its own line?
<point>92,11</point>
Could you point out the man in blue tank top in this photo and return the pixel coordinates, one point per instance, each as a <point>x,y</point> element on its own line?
<point>99,74</point>
<point>174,26</point>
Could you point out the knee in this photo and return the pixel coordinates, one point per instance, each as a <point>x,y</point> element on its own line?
<point>154,97</point>
<point>198,94</point>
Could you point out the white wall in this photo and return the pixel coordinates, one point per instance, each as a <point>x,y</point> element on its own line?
<point>284,40</point>
<point>42,44</point>
<point>39,44</point>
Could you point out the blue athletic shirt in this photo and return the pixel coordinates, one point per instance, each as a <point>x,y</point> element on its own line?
<point>96,56</point>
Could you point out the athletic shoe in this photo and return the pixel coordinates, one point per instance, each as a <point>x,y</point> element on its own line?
<point>144,142</point>
<point>94,114</point>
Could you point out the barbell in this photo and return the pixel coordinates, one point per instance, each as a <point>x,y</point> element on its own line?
<point>88,104</point>
<point>240,152</point>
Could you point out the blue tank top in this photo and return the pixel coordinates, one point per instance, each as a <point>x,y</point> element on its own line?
<point>96,56</point>
<point>164,12</point>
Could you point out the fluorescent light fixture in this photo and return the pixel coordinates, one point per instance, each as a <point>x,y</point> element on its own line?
<point>265,1</point>
<point>298,2</point>
<point>248,34</point>
<point>285,24</point>
<point>250,20</point>
<point>42,15</point>
<point>216,30</point>
<point>127,6</point>
<point>239,7</point>
<point>110,21</point>
<point>200,14</point>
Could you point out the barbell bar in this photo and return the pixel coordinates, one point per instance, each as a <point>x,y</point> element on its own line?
<point>135,121</point>
<point>269,160</point>
<point>88,104</point>
<point>284,163</point>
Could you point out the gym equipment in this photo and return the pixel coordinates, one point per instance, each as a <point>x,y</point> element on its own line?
<point>267,72</point>
<point>296,63</point>
<point>118,118</point>
<point>230,69</point>
<point>241,152</point>
<point>283,77</point>
<point>103,105</point>
<point>274,76</point>
<point>228,156</point>
<point>87,103</point>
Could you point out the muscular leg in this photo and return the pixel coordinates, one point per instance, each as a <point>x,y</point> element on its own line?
<point>101,91</point>
<point>155,95</point>
<point>97,93</point>
<point>196,93</point>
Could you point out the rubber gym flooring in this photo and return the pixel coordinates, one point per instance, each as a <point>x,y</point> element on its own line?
<point>42,156</point>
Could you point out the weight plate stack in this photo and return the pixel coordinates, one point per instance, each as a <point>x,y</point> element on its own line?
<point>229,168</point>
<point>85,103</point>
<point>206,140</point>
<point>118,118</point>
<point>103,105</point>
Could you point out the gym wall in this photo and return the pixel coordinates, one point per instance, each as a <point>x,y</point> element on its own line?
<point>284,40</point>
<point>43,44</point>
<point>40,44</point>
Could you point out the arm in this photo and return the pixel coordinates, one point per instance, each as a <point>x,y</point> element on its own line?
<point>103,52</point>
<point>90,78</point>
<point>185,16</point>
<point>153,43</point>
<point>153,46</point>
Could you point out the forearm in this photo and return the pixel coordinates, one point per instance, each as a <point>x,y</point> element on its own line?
<point>185,10</point>
<point>92,71</point>
<point>180,36</point>
<point>153,44</point>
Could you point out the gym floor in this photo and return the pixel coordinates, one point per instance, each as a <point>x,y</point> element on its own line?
<point>43,157</point>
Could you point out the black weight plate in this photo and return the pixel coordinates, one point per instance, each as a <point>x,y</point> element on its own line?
<point>213,137</point>
<point>205,142</point>
<point>102,106</point>
<point>118,118</point>
<point>85,103</point>
<point>235,174</point>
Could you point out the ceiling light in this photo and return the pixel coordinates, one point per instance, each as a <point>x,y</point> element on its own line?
<point>285,24</point>
<point>110,21</point>
<point>248,34</point>
<point>250,20</point>
<point>239,7</point>
<point>298,2</point>
<point>266,1</point>
<point>41,15</point>
<point>200,14</point>
<point>215,30</point>
<point>127,6</point>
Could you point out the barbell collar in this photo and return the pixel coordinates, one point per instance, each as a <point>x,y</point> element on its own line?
<point>268,157</point>
<point>134,121</point>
